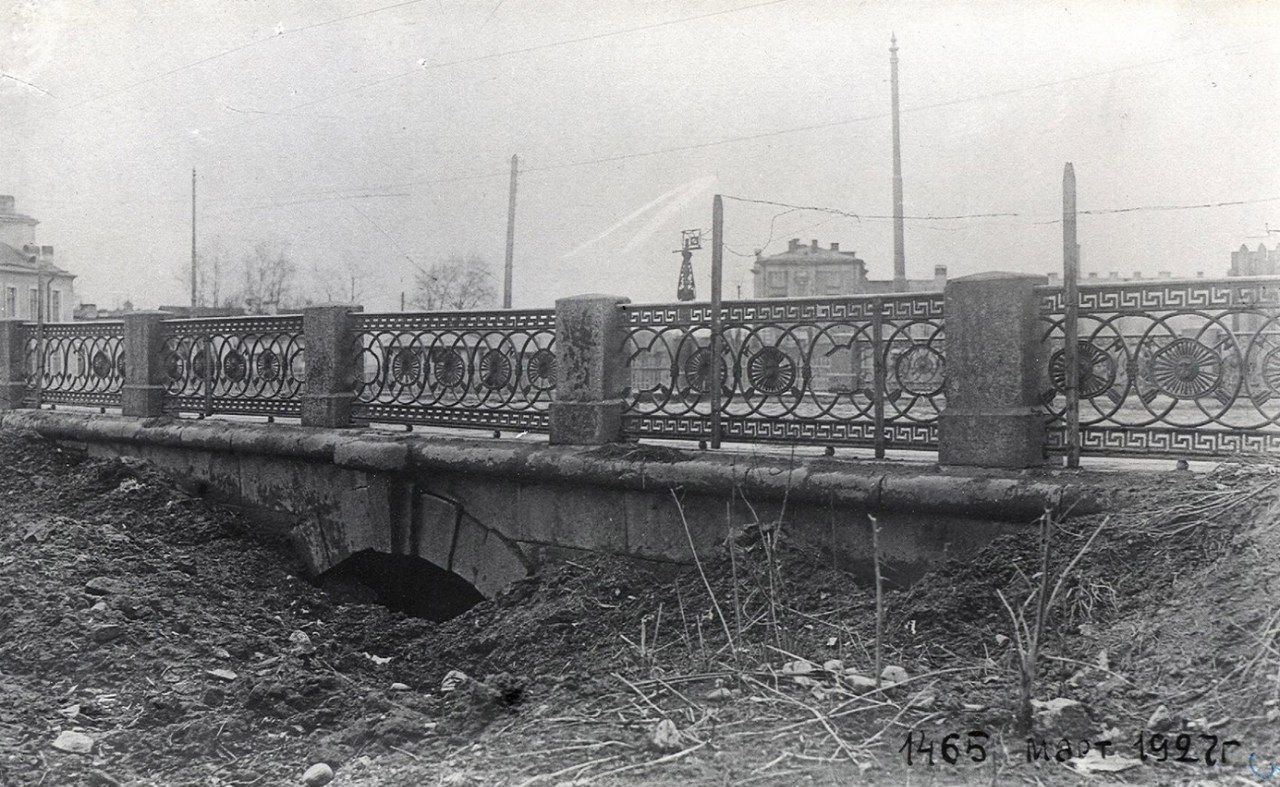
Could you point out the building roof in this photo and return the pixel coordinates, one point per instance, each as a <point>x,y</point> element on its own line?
<point>798,253</point>
<point>14,261</point>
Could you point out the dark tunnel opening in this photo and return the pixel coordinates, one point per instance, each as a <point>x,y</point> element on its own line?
<point>404,583</point>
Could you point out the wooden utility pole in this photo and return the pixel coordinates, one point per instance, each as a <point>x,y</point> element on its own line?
<point>194,295</point>
<point>717,341</point>
<point>511,235</point>
<point>1071,300</point>
<point>899,253</point>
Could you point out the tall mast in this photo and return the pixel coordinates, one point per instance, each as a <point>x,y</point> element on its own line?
<point>899,254</point>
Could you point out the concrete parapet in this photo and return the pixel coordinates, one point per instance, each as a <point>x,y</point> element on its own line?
<point>13,378</point>
<point>490,510</point>
<point>329,390</point>
<point>142,394</point>
<point>994,358</point>
<point>590,370</point>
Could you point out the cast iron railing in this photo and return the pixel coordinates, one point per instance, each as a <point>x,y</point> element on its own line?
<point>237,365</point>
<point>83,363</point>
<point>862,370</point>
<point>1170,367</point>
<point>493,369</point>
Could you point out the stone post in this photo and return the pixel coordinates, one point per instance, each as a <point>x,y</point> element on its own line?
<point>142,394</point>
<point>329,389</point>
<point>994,359</point>
<point>13,371</point>
<point>591,370</point>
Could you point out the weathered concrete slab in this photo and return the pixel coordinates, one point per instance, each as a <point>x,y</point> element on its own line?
<point>487,509</point>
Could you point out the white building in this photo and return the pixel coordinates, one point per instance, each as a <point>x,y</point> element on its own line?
<point>22,261</point>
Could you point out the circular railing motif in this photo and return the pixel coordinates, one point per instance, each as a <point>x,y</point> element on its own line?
<point>920,370</point>
<point>406,366</point>
<point>1097,370</point>
<point>1185,369</point>
<point>174,367</point>
<point>1270,371</point>
<point>101,364</point>
<point>449,367</point>
<point>541,370</point>
<point>234,366</point>
<point>487,369</point>
<point>495,369</point>
<point>241,364</point>
<point>697,370</point>
<point>269,366</point>
<point>771,371</point>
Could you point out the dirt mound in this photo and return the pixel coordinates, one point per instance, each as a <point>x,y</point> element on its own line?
<point>187,651</point>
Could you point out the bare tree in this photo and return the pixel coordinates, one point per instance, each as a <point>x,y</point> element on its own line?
<point>214,265</point>
<point>268,277</point>
<point>342,282</point>
<point>456,283</point>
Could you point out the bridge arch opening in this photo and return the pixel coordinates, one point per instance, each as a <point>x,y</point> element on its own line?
<point>405,583</point>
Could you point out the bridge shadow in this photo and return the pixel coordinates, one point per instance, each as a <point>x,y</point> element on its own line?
<point>404,583</point>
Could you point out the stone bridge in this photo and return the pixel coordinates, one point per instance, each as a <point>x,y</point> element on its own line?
<point>492,510</point>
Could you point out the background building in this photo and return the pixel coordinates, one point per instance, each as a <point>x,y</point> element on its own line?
<point>812,271</point>
<point>1255,263</point>
<point>21,260</point>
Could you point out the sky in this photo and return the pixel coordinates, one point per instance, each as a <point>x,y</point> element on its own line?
<point>374,137</point>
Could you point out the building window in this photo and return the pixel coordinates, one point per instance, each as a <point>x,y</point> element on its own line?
<point>34,304</point>
<point>55,306</point>
<point>11,302</point>
<point>776,284</point>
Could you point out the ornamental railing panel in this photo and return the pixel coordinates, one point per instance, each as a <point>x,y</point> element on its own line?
<point>75,363</point>
<point>490,370</point>
<point>861,370</point>
<point>237,365</point>
<point>1169,367</point>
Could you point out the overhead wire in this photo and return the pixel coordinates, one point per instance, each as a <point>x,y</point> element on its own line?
<point>784,131</point>
<point>226,53</point>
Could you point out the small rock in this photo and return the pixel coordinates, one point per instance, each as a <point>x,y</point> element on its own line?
<point>104,586</point>
<point>1062,716</point>
<point>798,667</point>
<point>833,665</point>
<point>73,742</point>
<point>301,643</point>
<point>399,687</point>
<point>101,779</point>
<point>893,674</point>
<point>213,697</point>
<point>1161,720</point>
<point>132,608</point>
<point>452,680</point>
<point>665,736</point>
<point>720,694</point>
<point>221,674</point>
<point>1001,639</point>
<point>106,633</point>
<point>858,680</point>
<point>318,775</point>
<point>925,700</point>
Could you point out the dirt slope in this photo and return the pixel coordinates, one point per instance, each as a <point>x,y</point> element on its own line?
<point>189,653</point>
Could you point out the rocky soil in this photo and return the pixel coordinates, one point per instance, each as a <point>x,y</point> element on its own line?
<point>151,637</point>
